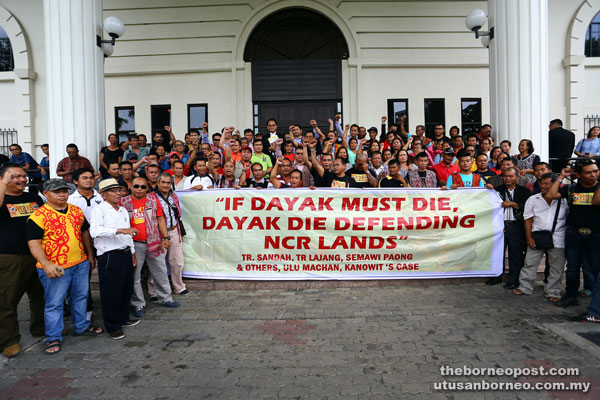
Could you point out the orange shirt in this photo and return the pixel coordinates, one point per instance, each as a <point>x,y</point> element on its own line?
<point>138,219</point>
<point>61,239</point>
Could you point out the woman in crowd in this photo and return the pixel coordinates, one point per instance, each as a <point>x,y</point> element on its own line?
<point>110,153</point>
<point>494,154</point>
<point>526,160</point>
<point>374,146</point>
<point>589,147</point>
<point>387,155</point>
<point>403,163</point>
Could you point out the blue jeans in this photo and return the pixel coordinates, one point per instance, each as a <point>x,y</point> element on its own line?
<point>589,278</point>
<point>76,279</point>
<point>577,248</point>
<point>594,306</point>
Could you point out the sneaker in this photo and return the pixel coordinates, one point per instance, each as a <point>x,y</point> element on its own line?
<point>591,318</point>
<point>117,335</point>
<point>585,317</point>
<point>567,301</point>
<point>132,322</point>
<point>154,299</point>
<point>12,351</point>
<point>140,312</point>
<point>184,291</point>
<point>585,293</point>
<point>170,304</point>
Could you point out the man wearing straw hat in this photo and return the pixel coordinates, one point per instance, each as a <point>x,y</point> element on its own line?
<point>110,228</point>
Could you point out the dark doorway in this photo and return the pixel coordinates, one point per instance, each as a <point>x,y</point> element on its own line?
<point>296,68</point>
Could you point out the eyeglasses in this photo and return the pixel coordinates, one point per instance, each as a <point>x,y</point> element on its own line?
<point>140,187</point>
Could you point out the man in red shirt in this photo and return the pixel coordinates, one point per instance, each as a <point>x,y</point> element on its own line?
<point>445,168</point>
<point>150,244</point>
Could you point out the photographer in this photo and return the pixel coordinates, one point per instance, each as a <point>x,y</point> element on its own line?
<point>583,224</point>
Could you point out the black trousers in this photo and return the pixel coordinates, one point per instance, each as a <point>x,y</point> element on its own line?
<point>514,240</point>
<point>115,273</point>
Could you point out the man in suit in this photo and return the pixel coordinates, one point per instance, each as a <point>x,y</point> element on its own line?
<point>514,197</point>
<point>562,143</point>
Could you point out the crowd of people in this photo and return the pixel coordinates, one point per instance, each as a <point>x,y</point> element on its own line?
<point>125,214</point>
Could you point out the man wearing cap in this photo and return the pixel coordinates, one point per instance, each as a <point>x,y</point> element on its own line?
<point>373,133</point>
<point>59,239</point>
<point>110,228</point>
<point>445,168</point>
<point>17,266</point>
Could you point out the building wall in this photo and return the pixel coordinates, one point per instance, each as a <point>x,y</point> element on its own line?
<point>190,51</point>
<point>404,49</point>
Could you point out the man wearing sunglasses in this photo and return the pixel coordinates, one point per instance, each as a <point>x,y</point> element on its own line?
<point>150,244</point>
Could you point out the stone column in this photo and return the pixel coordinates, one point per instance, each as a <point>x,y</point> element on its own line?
<point>519,72</point>
<point>75,78</point>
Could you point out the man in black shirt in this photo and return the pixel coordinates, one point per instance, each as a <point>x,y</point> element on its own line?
<point>582,237</point>
<point>3,160</point>
<point>394,179</point>
<point>561,144</point>
<point>338,178</point>
<point>17,265</point>
<point>482,167</point>
<point>257,179</point>
<point>360,172</point>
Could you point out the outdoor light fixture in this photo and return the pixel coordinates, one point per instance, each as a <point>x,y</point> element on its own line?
<point>474,21</point>
<point>115,29</point>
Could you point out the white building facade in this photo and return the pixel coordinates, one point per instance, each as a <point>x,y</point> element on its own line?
<point>236,64</point>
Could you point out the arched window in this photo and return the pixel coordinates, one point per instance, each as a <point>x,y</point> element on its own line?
<point>7,62</point>
<point>592,38</point>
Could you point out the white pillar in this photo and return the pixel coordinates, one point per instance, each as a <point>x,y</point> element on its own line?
<point>75,78</point>
<point>519,72</point>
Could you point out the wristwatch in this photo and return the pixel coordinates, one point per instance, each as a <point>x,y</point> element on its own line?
<point>166,238</point>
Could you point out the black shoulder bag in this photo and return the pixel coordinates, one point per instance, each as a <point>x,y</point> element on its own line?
<point>543,239</point>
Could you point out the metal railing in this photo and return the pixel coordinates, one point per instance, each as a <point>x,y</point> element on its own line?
<point>7,137</point>
<point>588,122</point>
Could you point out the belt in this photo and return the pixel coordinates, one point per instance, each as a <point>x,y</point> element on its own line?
<point>510,222</point>
<point>119,251</point>
<point>583,231</point>
<point>139,241</point>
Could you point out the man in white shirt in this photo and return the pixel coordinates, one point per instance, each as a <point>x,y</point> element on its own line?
<point>85,197</point>
<point>113,239</point>
<point>201,178</point>
<point>540,213</point>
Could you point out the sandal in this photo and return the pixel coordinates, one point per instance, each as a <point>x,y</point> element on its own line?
<point>518,292</point>
<point>90,331</point>
<point>55,344</point>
